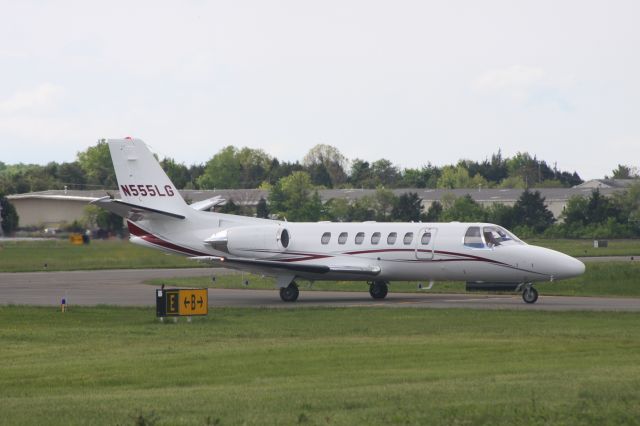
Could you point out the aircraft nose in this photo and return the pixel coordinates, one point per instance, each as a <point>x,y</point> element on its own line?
<point>553,264</point>
<point>571,267</point>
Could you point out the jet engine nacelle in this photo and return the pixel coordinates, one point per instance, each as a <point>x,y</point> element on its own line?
<point>252,241</point>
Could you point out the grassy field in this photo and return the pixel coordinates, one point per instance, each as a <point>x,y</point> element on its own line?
<point>577,248</point>
<point>599,279</point>
<point>319,366</point>
<point>60,255</point>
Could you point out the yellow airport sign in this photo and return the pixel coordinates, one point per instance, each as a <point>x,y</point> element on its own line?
<point>194,302</point>
<point>182,302</point>
<point>76,239</point>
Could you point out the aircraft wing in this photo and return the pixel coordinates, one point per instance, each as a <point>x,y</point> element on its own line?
<point>232,262</point>
<point>372,270</point>
<point>132,211</point>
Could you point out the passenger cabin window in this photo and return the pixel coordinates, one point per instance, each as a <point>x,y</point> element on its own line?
<point>375,238</point>
<point>325,238</point>
<point>426,239</point>
<point>359,237</point>
<point>391,239</point>
<point>342,238</point>
<point>408,237</point>
<point>473,238</point>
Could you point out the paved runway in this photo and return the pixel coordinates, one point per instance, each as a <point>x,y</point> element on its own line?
<point>609,258</point>
<point>125,288</point>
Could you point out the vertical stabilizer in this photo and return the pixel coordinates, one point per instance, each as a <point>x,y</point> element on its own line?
<point>141,180</point>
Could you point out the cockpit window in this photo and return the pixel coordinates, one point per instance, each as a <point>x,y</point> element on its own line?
<point>473,238</point>
<point>496,236</point>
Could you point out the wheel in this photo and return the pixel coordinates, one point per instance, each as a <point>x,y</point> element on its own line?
<point>378,290</point>
<point>289,293</point>
<point>530,295</point>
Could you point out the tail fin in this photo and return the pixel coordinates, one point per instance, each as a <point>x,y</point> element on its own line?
<point>141,180</point>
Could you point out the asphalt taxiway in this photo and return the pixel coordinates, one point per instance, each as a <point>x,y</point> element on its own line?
<point>126,288</point>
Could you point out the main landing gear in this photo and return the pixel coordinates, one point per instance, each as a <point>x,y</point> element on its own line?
<point>529,294</point>
<point>289,293</point>
<point>378,289</point>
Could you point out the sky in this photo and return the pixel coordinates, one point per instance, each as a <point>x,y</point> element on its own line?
<point>415,82</point>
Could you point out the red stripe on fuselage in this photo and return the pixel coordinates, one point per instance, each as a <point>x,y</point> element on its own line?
<point>312,256</point>
<point>450,253</point>
<point>379,251</point>
<point>155,240</point>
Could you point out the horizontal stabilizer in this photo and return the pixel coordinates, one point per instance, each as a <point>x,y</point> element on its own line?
<point>208,203</point>
<point>132,211</point>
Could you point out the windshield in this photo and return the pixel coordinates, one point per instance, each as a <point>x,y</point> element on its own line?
<point>496,236</point>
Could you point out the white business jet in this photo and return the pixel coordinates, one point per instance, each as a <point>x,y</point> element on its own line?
<point>485,256</point>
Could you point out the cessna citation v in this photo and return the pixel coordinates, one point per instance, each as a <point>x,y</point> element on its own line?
<point>485,256</point>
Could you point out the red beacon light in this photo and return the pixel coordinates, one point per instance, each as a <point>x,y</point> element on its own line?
<point>128,138</point>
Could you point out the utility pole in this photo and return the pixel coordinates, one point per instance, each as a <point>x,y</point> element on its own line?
<point>539,173</point>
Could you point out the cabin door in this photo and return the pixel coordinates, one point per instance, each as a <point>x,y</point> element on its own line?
<point>426,243</point>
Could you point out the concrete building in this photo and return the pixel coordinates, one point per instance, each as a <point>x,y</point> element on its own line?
<point>608,183</point>
<point>58,207</point>
<point>55,208</point>
<point>51,209</point>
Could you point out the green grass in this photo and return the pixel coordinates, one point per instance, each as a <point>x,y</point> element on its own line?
<point>319,366</point>
<point>577,248</point>
<point>599,279</point>
<point>61,255</point>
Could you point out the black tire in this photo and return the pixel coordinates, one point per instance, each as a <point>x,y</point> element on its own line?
<point>378,290</point>
<point>289,293</point>
<point>530,295</point>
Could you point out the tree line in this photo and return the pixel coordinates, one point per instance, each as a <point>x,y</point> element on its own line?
<point>293,189</point>
<point>295,198</point>
<point>239,168</point>
<point>595,216</point>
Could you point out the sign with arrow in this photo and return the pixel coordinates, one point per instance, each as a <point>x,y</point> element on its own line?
<point>182,302</point>
<point>194,302</point>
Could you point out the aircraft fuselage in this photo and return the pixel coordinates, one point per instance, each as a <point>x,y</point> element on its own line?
<point>482,254</point>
